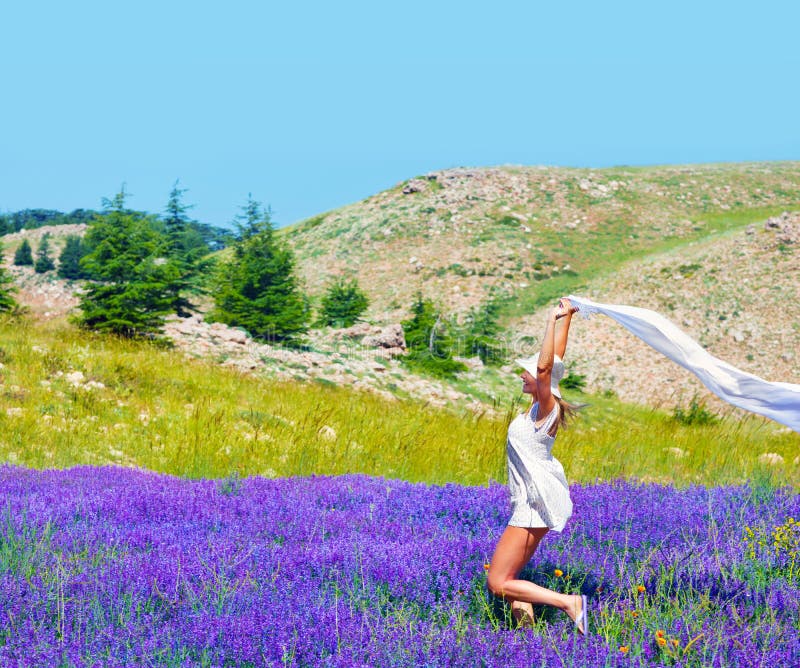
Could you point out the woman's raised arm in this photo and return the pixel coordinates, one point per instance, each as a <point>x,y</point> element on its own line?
<point>562,332</point>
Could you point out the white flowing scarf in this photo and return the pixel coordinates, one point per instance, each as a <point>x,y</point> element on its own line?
<point>778,401</point>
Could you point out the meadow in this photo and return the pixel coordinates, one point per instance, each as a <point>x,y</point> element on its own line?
<point>112,566</point>
<point>163,511</point>
<point>70,397</point>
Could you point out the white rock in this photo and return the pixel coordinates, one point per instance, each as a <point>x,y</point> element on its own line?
<point>75,378</point>
<point>472,363</point>
<point>327,433</point>
<point>770,458</point>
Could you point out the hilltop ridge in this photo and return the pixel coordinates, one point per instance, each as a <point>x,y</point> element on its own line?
<point>462,235</point>
<point>712,247</point>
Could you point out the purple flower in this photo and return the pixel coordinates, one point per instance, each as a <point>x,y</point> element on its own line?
<point>111,566</point>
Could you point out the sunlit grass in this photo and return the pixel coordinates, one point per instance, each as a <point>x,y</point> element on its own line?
<point>68,397</point>
<point>611,439</point>
<point>606,249</point>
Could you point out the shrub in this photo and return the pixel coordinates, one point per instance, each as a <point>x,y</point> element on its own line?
<point>481,331</point>
<point>7,302</point>
<point>342,303</point>
<point>69,262</point>
<point>574,381</point>
<point>696,414</point>
<point>429,342</point>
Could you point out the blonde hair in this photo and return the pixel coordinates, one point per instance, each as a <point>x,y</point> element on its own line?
<point>566,412</point>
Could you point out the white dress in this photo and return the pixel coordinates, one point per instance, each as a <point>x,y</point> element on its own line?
<point>536,480</point>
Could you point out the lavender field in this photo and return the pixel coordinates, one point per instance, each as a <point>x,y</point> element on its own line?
<point>113,566</point>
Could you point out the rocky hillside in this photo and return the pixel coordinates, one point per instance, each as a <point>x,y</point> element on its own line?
<point>738,294</point>
<point>44,295</point>
<point>707,245</point>
<point>461,235</point>
<point>715,248</point>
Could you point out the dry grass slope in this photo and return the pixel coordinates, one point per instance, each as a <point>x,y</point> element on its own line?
<point>460,234</point>
<point>690,242</point>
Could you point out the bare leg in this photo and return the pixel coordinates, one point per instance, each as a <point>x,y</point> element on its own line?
<point>515,549</point>
<point>523,613</point>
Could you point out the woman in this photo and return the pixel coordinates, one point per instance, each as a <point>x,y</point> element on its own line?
<point>539,489</point>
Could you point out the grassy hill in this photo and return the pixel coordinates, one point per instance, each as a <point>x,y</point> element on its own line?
<point>68,398</point>
<point>529,233</point>
<point>688,241</point>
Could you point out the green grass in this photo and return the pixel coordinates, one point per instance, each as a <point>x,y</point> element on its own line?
<point>139,405</point>
<point>602,251</point>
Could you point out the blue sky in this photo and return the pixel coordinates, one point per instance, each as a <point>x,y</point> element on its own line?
<point>313,105</point>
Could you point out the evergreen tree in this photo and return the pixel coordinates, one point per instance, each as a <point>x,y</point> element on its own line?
<point>481,331</point>
<point>131,291</point>
<point>7,302</point>
<point>430,345</point>
<point>175,220</point>
<point>185,251</point>
<point>342,303</point>
<point>44,262</point>
<point>257,290</point>
<point>23,255</point>
<point>69,262</point>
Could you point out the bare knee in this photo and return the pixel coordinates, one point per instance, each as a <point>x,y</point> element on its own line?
<point>496,584</point>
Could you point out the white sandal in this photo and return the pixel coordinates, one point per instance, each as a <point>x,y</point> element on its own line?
<point>583,618</point>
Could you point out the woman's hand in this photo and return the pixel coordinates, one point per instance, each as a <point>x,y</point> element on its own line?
<point>560,311</point>
<point>564,308</point>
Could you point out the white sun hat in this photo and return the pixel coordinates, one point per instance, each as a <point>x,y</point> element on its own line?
<point>529,364</point>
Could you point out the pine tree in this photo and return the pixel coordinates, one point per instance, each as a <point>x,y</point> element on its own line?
<point>131,291</point>
<point>184,251</point>
<point>481,332</point>
<point>69,262</point>
<point>23,255</point>
<point>175,220</point>
<point>430,346</point>
<point>44,262</point>
<point>257,290</point>
<point>7,302</point>
<point>342,303</point>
